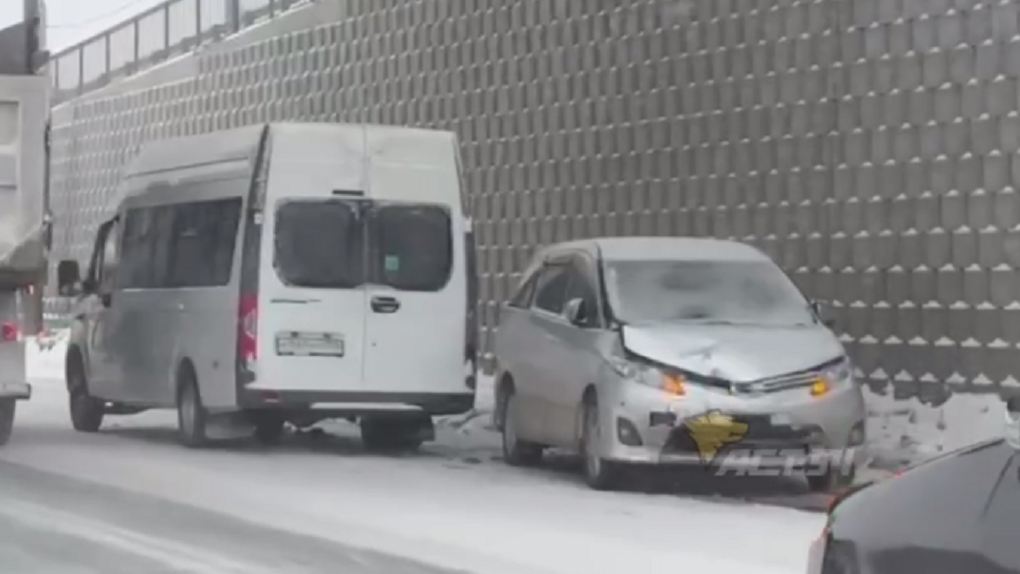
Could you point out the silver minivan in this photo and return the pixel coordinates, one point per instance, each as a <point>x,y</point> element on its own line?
<point>654,350</point>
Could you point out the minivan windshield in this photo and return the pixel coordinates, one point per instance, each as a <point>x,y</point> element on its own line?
<point>723,292</point>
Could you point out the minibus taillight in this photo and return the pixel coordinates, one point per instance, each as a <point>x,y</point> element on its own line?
<point>247,330</point>
<point>9,332</point>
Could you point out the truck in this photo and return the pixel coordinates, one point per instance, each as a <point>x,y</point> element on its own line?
<point>25,218</point>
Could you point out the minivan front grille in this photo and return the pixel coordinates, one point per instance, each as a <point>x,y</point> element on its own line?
<point>776,384</point>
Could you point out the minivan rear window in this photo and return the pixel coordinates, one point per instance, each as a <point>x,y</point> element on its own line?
<point>320,244</point>
<point>413,247</point>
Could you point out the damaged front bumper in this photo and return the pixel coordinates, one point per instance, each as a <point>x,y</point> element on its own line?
<point>789,430</point>
<point>15,390</point>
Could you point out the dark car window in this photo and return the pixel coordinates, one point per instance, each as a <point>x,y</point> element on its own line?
<point>552,288</point>
<point>320,244</point>
<point>413,247</point>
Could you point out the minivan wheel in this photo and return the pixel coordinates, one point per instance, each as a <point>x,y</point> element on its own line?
<point>86,411</point>
<point>7,410</point>
<point>190,413</point>
<point>599,473</point>
<point>516,452</point>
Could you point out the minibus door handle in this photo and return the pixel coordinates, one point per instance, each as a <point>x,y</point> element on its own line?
<point>384,304</point>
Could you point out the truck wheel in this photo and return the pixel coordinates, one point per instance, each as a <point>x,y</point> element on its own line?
<point>190,412</point>
<point>7,408</point>
<point>86,411</point>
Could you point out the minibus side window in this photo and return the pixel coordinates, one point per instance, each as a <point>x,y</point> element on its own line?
<point>136,248</point>
<point>203,242</point>
<point>109,260</point>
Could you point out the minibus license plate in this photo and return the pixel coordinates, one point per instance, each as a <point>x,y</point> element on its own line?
<point>309,344</point>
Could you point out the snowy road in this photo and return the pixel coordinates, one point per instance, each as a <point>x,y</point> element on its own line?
<point>54,525</point>
<point>451,506</point>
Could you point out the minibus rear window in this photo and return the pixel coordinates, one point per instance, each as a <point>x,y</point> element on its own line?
<point>413,246</point>
<point>320,244</point>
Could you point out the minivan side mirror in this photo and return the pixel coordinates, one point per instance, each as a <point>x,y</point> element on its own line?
<point>575,312</point>
<point>1012,434</point>
<point>69,278</point>
<point>823,312</point>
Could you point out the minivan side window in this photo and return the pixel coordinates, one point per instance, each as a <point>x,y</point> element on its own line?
<point>413,247</point>
<point>525,290</point>
<point>582,287</point>
<point>551,291</point>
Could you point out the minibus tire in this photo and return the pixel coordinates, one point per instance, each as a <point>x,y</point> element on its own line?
<point>87,412</point>
<point>7,410</point>
<point>190,412</point>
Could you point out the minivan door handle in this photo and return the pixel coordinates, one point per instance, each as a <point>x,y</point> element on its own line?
<point>383,304</point>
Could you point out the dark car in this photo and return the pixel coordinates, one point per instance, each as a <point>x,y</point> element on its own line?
<point>955,514</point>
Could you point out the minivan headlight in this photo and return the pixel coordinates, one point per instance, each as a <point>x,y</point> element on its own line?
<point>671,383</point>
<point>839,374</point>
<point>670,380</point>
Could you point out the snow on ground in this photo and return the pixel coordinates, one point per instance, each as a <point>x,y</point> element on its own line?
<point>451,505</point>
<point>904,431</point>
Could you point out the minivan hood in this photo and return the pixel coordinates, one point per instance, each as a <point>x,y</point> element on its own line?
<point>734,352</point>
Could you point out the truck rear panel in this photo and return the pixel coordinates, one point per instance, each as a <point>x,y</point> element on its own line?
<point>24,109</point>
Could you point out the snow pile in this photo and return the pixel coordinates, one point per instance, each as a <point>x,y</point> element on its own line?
<point>903,431</point>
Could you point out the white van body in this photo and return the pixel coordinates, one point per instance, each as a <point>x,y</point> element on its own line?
<point>336,280</point>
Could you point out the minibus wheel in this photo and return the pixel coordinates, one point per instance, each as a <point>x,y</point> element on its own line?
<point>86,411</point>
<point>7,408</point>
<point>190,412</point>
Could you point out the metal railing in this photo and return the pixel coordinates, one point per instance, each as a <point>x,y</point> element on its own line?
<point>173,28</point>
